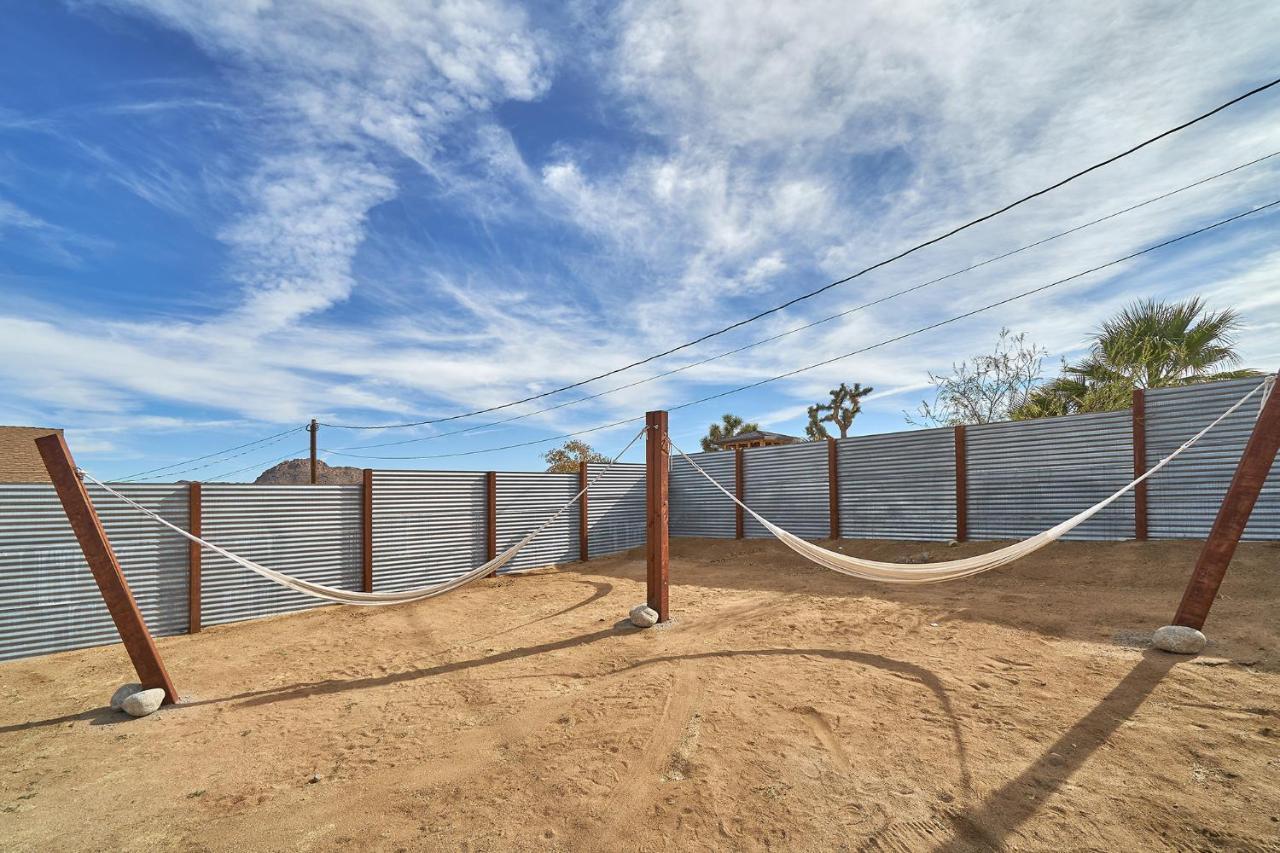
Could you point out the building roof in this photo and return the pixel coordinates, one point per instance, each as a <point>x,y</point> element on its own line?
<point>19,460</point>
<point>758,436</point>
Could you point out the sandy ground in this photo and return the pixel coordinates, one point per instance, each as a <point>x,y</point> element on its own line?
<point>784,708</point>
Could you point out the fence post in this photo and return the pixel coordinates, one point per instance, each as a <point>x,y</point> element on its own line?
<point>740,489</point>
<point>366,527</point>
<point>1255,463</point>
<point>490,516</point>
<point>104,565</point>
<point>1139,464</point>
<point>657,542</point>
<point>193,559</point>
<point>833,486</point>
<point>962,486</point>
<point>583,544</point>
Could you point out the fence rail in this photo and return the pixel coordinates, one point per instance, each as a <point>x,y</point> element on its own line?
<point>413,528</point>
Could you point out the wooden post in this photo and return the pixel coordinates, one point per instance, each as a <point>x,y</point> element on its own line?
<point>1255,463</point>
<point>1139,464</point>
<point>833,487</point>
<point>106,569</point>
<point>193,559</point>
<point>962,486</point>
<point>739,489</point>
<point>583,544</point>
<point>313,430</point>
<point>658,546</point>
<point>490,516</point>
<point>366,531</point>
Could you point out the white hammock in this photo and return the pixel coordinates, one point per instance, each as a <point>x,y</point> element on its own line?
<point>344,596</point>
<point>874,570</point>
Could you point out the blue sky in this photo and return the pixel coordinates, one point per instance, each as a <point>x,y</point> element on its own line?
<point>215,225</point>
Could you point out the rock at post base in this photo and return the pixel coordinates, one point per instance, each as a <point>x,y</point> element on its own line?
<point>1179,639</point>
<point>122,693</point>
<point>644,616</point>
<point>143,702</point>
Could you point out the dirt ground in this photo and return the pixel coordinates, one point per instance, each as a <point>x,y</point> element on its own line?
<point>785,707</point>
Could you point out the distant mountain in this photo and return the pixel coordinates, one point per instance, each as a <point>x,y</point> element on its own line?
<point>297,472</point>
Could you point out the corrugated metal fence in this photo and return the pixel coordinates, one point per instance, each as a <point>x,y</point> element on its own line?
<point>428,526</point>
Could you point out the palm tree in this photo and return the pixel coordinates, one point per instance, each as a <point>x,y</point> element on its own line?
<point>1150,344</point>
<point>729,426</point>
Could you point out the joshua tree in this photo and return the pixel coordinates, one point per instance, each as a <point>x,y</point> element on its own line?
<point>814,430</point>
<point>729,426</point>
<point>1150,344</point>
<point>845,404</point>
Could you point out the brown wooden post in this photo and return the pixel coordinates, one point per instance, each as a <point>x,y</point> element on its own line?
<point>313,430</point>
<point>1255,463</point>
<point>106,569</point>
<point>658,545</point>
<point>962,486</point>
<point>193,559</point>
<point>739,489</point>
<point>1139,464</point>
<point>583,545</point>
<point>833,487</point>
<point>490,516</point>
<point>366,531</point>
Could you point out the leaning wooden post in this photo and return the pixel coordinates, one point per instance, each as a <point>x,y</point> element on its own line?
<point>583,543</point>
<point>194,584</point>
<point>1139,464</point>
<point>366,530</point>
<point>658,545</point>
<point>833,487</point>
<point>740,490</point>
<point>962,486</point>
<point>106,569</point>
<point>1255,463</point>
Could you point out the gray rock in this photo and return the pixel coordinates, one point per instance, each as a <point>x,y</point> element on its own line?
<point>1179,639</point>
<point>144,702</point>
<point>952,543</point>
<point>644,616</point>
<point>123,693</point>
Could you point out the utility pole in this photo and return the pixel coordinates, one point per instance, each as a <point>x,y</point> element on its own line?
<point>313,429</point>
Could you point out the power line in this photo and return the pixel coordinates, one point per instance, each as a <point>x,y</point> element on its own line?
<point>852,353</point>
<point>814,323</point>
<point>845,280</point>
<point>253,445</point>
<point>290,455</point>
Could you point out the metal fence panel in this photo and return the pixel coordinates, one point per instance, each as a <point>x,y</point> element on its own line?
<point>310,532</point>
<point>898,485</point>
<point>428,527</point>
<point>789,486</point>
<point>525,501</point>
<point>615,508</point>
<point>1184,497</point>
<point>697,508</point>
<point>48,599</point>
<point>1026,476</point>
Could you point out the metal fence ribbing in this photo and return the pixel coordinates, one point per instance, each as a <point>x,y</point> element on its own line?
<point>525,501</point>
<point>310,532</point>
<point>1184,498</point>
<point>615,509</point>
<point>697,507</point>
<point>788,485</point>
<point>428,527</point>
<point>898,485</point>
<point>48,599</point>
<point>1026,476</point>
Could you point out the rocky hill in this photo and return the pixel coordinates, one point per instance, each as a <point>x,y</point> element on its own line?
<point>297,472</point>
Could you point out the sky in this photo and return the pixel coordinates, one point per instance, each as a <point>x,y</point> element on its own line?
<point>220,221</point>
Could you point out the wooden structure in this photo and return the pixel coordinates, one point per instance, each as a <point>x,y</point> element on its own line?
<point>102,561</point>
<point>1255,464</point>
<point>314,429</point>
<point>1139,464</point>
<point>366,527</point>
<point>583,530</point>
<point>962,485</point>
<point>739,491</point>
<point>657,513</point>
<point>833,487</point>
<point>194,558</point>
<point>756,438</point>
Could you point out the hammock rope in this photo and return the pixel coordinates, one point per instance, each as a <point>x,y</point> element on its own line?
<point>917,573</point>
<point>368,599</point>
